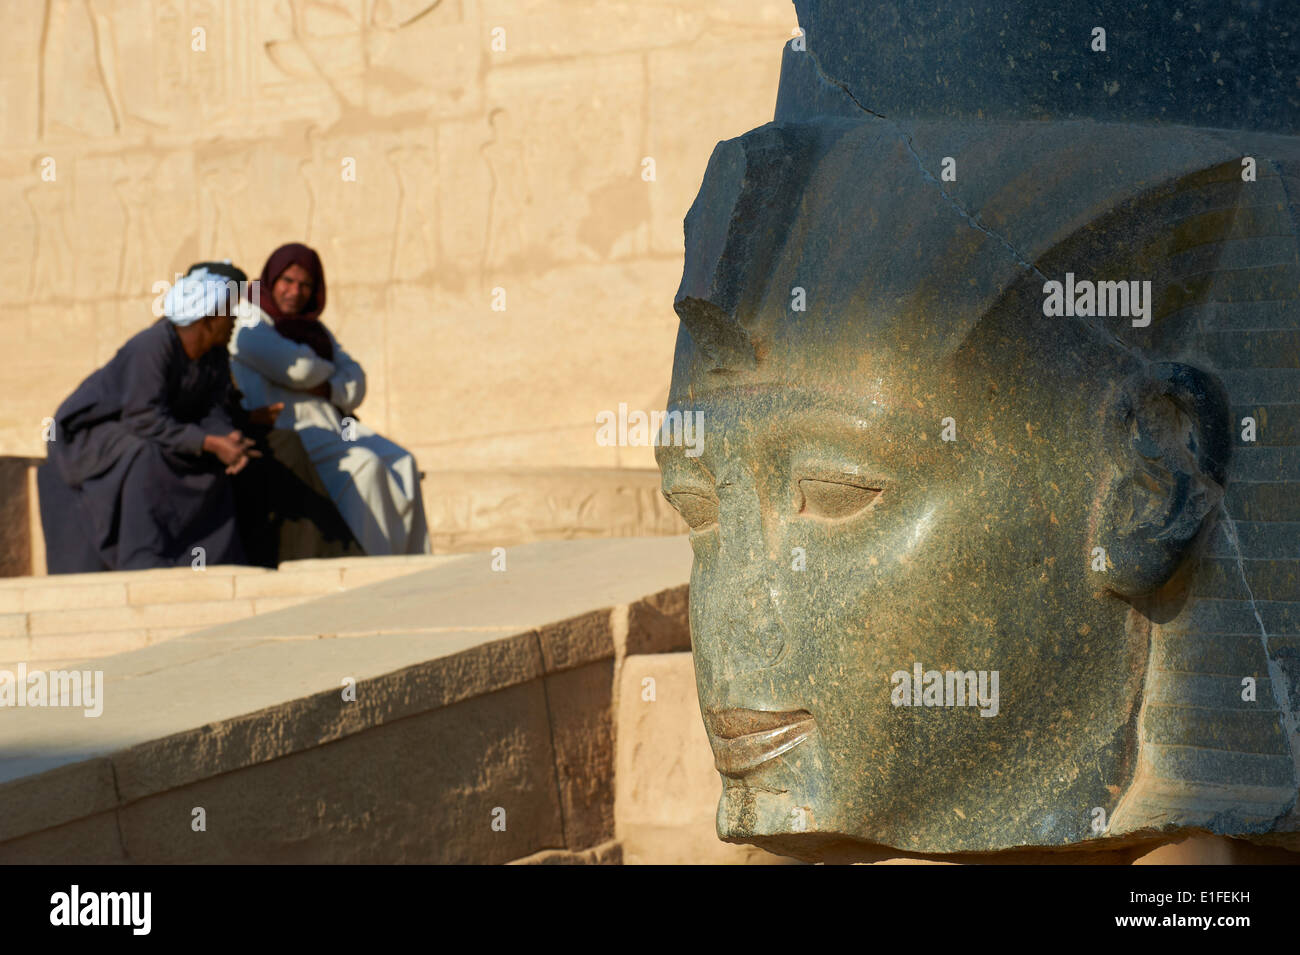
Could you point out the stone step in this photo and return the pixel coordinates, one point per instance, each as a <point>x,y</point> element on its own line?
<point>47,620</point>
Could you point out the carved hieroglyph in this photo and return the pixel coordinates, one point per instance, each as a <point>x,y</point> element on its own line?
<point>432,151</point>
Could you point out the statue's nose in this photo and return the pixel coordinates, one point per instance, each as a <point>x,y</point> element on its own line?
<point>754,630</point>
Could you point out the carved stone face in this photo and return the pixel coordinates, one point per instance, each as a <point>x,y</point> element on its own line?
<point>840,540</point>
<point>932,525</point>
<point>916,473</point>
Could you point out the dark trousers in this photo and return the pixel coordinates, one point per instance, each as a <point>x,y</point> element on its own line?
<point>283,509</point>
<point>149,509</point>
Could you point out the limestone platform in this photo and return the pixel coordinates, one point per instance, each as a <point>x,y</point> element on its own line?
<point>48,621</point>
<point>476,690</point>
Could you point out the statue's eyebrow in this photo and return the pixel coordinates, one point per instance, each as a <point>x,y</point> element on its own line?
<point>675,466</point>
<point>824,422</point>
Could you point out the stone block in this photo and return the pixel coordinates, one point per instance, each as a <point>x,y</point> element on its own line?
<point>473,510</point>
<point>607,853</point>
<point>14,648</point>
<point>91,840</point>
<point>1216,850</point>
<point>15,527</point>
<point>512,353</point>
<point>403,77</point>
<point>292,583</point>
<point>542,31</point>
<point>359,576</point>
<point>240,716</point>
<point>193,615</point>
<point>86,644</point>
<point>582,732</point>
<point>162,634</point>
<point>63,795</point>
<point>75,596</point>
<point>301,719</point>
<point>577,641</point>
<point>603,212</point>
<point>267,604</point>
<point>660,623</point>
<point>419,790</point>
<point>667,794</point>
<point>198,586</point>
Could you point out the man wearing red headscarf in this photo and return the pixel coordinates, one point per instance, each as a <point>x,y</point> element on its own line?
<point>282,352</point>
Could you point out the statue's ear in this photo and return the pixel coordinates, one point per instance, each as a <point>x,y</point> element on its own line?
<point>1169,433</point>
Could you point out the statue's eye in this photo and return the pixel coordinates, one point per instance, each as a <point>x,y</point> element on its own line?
<point>833,500</point>
<point>698,510</point>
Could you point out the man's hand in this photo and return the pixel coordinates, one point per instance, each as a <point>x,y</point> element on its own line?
<point>266,415</point>
<point>233,449</point>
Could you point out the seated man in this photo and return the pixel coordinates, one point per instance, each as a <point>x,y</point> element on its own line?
<point>137,474</point>
<point>282,510</point>
<point>283,353</point>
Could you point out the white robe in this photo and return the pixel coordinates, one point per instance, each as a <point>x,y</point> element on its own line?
<point>374,483</point>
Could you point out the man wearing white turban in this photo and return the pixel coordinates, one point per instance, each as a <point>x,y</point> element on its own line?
<point>138,468</point>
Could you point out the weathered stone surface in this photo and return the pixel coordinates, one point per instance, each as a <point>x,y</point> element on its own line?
<point>466,666</point>
<point>89,840</point>
<point>508,675</point>
<point>482,509</point>
<point>667,790</point>
<point>919,471</point>
<point>84,644</point>
<point>578,704</point>
<point>421,789</point>
<point>194,614</point>
<point>15,528</point>
<point>607,853</point>
<point>67,794</point>
<point>577,641</point>
<point>1228,66</point>
<point>1215,850</point>
<point>660,623</point>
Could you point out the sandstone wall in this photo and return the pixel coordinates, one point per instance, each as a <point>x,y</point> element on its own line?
<point>126,154</point>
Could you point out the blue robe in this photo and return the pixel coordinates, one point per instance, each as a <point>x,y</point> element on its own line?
<point>126,484</point>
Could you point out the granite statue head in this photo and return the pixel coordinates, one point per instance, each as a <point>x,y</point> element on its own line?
<point>950,539</point>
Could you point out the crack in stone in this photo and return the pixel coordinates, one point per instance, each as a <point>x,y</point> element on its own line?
<point>1281,695</point>
<point>972,220</point>
<point>1286,193</point>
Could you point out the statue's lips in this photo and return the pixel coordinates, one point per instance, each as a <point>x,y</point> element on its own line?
<point>745,739</point>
